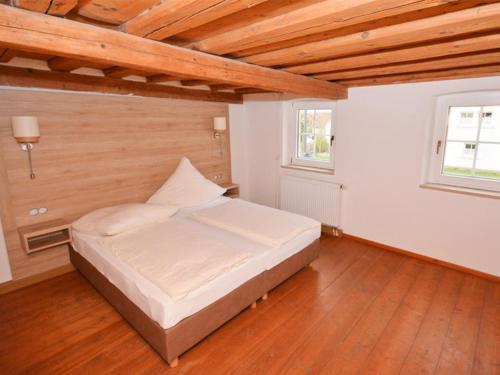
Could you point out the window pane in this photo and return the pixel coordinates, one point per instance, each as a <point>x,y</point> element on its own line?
<point>314,132</point>
<point>488,161</point>
<point>302,122</point>
<point>458,158</point>
<point>490,125</point>
<point>306,147</point>
<point>322,148</point>
<point>306,121</point>
<point>309,115</point>
<point>323,122</point>
<point>463,123</point>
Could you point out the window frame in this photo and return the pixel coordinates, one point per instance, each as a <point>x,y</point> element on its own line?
<point>439,134</point>
<point>293,134</point>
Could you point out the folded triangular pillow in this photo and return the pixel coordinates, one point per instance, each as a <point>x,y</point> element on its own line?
<point>186,187</point>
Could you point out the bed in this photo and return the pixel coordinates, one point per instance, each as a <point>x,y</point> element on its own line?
<point>172,324</point>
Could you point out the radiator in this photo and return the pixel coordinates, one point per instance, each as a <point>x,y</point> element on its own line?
<point>318,200</point>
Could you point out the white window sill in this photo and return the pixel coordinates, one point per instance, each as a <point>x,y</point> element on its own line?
<point>462,190</point>
<point>309,169</point>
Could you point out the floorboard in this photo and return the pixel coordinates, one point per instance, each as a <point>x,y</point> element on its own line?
<point>394,343</point>
<point>457,355</point>
<point>487,356</point>
<point>357,310</point>
<point>361,340</point>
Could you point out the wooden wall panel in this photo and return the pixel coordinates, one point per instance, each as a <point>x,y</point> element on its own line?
<point>96,151</point>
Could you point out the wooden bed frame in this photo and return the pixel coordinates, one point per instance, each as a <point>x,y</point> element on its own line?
<point>172,342</point>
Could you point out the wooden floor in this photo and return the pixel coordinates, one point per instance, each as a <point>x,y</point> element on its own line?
<point>358,309</point>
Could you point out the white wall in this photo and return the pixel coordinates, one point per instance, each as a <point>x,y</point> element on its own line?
<point>5,274</point>
<point>255,132</point>
<point>381,139</point>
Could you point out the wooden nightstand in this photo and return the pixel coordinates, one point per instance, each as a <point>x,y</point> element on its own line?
<point>42,236</point>
<point>233,190</point>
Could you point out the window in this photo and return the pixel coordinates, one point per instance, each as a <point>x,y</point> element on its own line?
<point>466,117</point>
<point>487,118</point>
<point>466,141</point>
<point>310,134</point>
<point>469,149</point>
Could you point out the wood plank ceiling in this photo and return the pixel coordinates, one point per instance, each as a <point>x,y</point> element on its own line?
<point>313,48</point>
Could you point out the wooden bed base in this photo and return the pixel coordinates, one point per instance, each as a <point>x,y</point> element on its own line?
<point>172,342</point>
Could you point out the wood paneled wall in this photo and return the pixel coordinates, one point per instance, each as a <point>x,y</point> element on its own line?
<point>96,151</point>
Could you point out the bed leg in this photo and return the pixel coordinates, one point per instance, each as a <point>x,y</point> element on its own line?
<point>264,297</point>
<point>174,363</point>
<point>253,305</point>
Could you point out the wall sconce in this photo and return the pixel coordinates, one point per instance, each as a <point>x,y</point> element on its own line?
<point>219,129</point>
<point>219,126</point>
<point>26,132</point>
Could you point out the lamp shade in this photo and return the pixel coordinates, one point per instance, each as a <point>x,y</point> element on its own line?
<point>219,124</point>
<point>25,129</point>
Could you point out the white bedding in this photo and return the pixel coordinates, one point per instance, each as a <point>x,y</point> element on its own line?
<point>157,304</point>
<point>262,224</point>
<point>174,256</point>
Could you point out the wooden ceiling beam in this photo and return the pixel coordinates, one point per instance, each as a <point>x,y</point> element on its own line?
<point>22,77</point>
<point>120,72</point>
<point>459,73</point>
<point>171,17</point>
<point>39,33</point>
<point>61,64</point>
<point>315,18</point>
<point>254,14</point>
<point>53,7</point>
<point>114,12</point>
<point>195,82</point>
<point>474,20</point>
<point>30,55</point>
<point>157,78</point>
<point>429,65</point>
<point>6,54</point>
<point>61,7</point>
<point>445,7</point>
<point>477,44</point>
<point>34,5</point>
<point>219,87</point>
<point>250,90</point>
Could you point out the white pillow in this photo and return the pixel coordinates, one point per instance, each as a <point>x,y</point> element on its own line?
<point>117,219</point>
<point>186,187</point>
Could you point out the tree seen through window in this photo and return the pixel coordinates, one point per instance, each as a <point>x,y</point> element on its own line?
<point>314,134</point>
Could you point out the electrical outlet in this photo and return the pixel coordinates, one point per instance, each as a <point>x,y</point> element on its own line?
<point>33,211</point>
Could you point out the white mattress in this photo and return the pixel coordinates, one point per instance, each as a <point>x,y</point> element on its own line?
<point>156,303</point>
